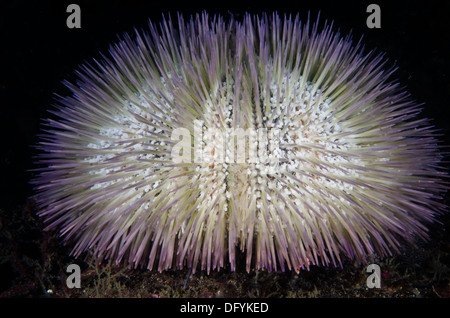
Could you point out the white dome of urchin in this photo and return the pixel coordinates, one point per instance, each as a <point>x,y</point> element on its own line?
<point>266,135</point>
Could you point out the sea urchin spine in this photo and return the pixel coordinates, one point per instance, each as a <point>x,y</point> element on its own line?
<point>354,171</point>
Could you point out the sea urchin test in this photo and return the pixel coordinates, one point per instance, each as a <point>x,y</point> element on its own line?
<point>202,140</point>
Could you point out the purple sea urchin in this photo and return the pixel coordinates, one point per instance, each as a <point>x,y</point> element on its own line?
<point>144,163</point>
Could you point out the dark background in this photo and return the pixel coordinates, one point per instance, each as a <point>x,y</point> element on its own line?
<point>38,52</point>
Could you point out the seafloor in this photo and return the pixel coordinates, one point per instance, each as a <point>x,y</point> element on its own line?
<point>35,262</point>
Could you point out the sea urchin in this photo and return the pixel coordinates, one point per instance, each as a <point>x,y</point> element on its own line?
<point>201,137</point>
